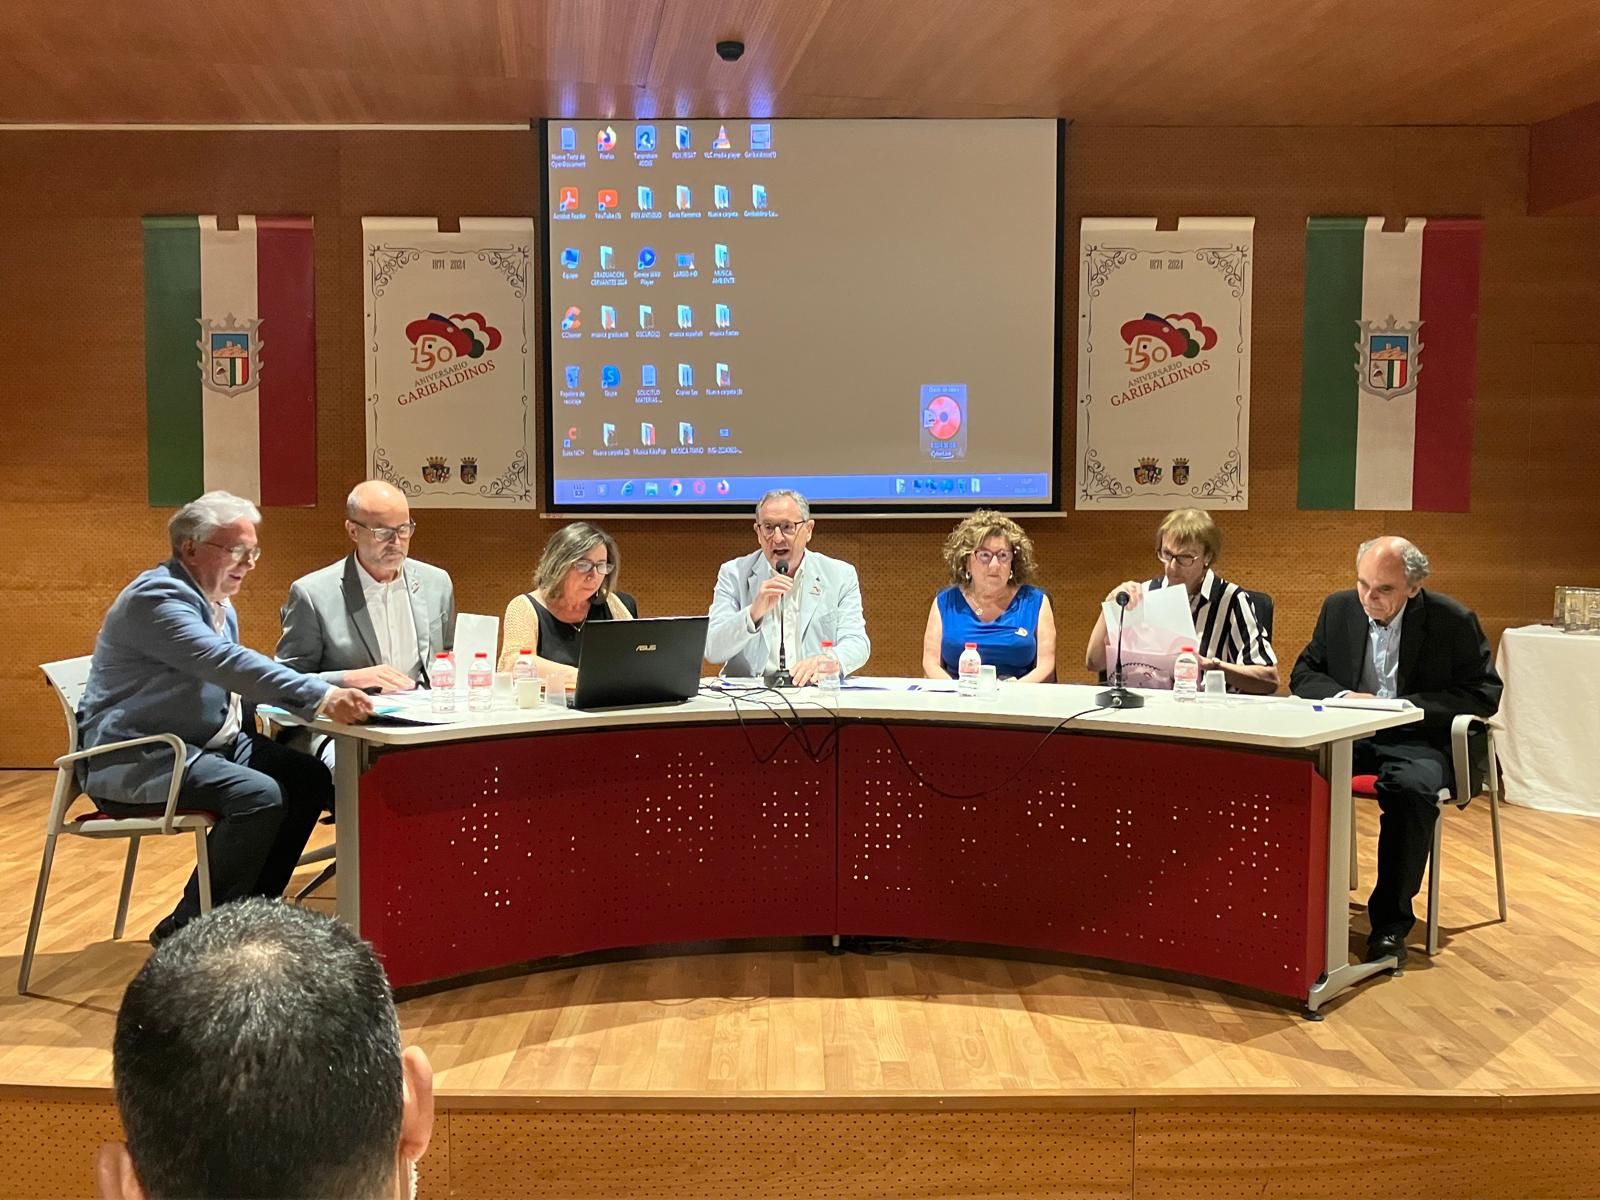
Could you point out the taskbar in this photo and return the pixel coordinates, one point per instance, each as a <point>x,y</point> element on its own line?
<point>1027,487</point>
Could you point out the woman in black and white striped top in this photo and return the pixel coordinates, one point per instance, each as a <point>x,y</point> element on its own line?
<point>1229,632</point>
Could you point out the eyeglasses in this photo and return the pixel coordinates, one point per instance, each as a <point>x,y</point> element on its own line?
<point>1183,561</point>
<point>586,567</point>
<point>385,533</point>
<point>239,554</point>
<point>787,528</point>
<point>987,557</point>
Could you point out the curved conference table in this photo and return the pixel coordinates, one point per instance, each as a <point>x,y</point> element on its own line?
<point>1208,838</point>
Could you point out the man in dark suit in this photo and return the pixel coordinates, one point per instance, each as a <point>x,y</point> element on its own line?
<point>1392,638</point>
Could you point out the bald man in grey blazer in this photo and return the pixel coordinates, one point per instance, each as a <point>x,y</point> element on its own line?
<point>375,618</point>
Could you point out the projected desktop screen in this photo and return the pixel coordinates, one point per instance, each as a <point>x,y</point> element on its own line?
<point>863,310</point>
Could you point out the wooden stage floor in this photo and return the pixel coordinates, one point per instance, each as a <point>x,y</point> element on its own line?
<point>1507,1016</point>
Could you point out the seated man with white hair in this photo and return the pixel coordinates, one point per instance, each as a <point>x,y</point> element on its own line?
<point>1392,638</point>
<point>168,660</point>
<point>820,598</point>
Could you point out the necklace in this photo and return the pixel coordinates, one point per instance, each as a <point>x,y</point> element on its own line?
<point>981,608</point>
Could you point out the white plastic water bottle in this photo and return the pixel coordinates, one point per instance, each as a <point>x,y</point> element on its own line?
<point>967,669</point>
<point>480,683</point>
<point>442,684</point>
<point>828,670</point>
<point>1186,675</point>
<point>524,667</point>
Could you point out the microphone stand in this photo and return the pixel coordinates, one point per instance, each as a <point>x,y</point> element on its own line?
<point>1117,696</point>
<point>780,677</point>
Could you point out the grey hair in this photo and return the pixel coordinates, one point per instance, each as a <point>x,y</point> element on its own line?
<point>199,519</point>
<point>1414,560</point>
<point>565,547</point>
<point>785,494</point>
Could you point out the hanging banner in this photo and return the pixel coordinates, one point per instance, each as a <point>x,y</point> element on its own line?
<point>449,324</point>
<point>1390,364</point>
<point>1164,363</point>
<point>230,359</point>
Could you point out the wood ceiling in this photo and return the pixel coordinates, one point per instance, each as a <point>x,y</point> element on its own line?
<point>1099,62</point>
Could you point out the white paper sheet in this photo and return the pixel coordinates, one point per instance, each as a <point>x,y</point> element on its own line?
<point>474,633</point>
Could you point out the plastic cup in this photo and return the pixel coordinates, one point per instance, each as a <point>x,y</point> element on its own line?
<point>988,682</point>
<point>1216,687</point>
<point>530,693</point>
<point>501,694</point>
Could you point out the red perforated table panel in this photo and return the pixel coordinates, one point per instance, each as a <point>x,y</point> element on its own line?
<point>478,854</point>
<point>1167,854</point>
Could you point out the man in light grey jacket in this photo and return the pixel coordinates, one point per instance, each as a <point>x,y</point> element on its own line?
<point>375,618</point>
<point>820,598</point>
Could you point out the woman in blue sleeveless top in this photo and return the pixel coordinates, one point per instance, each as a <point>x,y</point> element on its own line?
<point>990,601</point>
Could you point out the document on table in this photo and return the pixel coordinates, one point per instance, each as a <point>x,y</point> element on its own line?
<point>474,633</point>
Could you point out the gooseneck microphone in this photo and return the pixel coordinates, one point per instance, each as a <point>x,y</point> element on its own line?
<point>1117,696</point>
<point>780,677</point>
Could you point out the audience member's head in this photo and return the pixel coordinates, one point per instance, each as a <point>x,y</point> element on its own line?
<point>257,1053</point>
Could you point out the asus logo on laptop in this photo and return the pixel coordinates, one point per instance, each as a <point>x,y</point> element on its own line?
<point>644,648</point>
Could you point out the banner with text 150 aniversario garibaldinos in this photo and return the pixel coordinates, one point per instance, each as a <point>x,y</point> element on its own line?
<point>449,324</point>
<point>1164,363</point>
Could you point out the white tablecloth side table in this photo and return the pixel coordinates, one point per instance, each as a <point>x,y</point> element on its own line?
<point>1548,729</point>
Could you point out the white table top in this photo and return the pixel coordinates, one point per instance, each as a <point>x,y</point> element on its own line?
<point>1274,722</point>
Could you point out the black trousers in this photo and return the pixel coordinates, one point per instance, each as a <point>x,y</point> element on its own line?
<point>1412,769</point>
<point>267,799</point>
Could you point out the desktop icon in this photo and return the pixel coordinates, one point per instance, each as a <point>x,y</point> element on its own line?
<point>608,433</point>
<point>573,319</point>
<point>899,487</point>
<point>569,199</point>
<point>647,257</point>
<point>608,258</point>
<point>724,433</point>
<point>977,485</point>
<point>647,433</point>
<point>569,138</point>
<point>685,375</point>
<point>720,195</point>
<point>721,257</point>
<point>610,376</point>
<point>647,317</point>
<point>569,259</point>
<point>572,436</point>
<point>721,142</point>
<point>644,139</point>
<point>651,488</point>
<point>686,260</point>
<point>626,489</point>
<point>699,487</point>
<point>685,317</point>
<point>723,487</point>
<point>606,139</point>
<point>676,487</point>
<point>607,200</point>
<point>724,376</point>
<point>685,433</point>
<point>684,142</point>
<point>647,375</point>
<point>608,317</point>
<point>724,316</point>
<point>647,199</point>
<point>758,195</point>
<point>683,197</point>
<point>573,376</point>
<point>761,135</point>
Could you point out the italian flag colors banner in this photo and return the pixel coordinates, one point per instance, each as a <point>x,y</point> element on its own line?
<point>1390,364</point>
<point>230,359</point>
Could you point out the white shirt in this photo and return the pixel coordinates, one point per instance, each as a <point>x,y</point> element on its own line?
<point>791,622</point>
<point>235,718</point>
<point>389,609</point>
<point>1380,670</point>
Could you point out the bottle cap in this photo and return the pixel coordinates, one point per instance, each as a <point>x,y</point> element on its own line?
<point>971,646</point>
<point>526,651</point>
<point>441,654</point>
<point>825,645</point>
<point>1187,650</point>
<point>481,654</point>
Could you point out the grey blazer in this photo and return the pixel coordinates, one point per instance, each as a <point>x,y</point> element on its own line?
<point>160,667</point>
<point>830,609</point>
<point>326,629</point>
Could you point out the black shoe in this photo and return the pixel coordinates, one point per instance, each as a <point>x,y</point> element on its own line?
<point>168,926</point>
<point>1383,947</point>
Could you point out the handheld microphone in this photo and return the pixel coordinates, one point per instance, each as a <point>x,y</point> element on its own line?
<point>1117,696</point>
<point>780,677</point>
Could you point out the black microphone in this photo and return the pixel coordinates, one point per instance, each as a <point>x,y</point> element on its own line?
<point>780,677</point>
<point>1117,696</point>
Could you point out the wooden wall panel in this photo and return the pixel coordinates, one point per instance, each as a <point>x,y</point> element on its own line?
<point>75,525</point>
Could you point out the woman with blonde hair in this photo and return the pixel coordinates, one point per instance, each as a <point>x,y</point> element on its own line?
<point>991,601</point>
<point>574,583</point>
<point>1229,634</point>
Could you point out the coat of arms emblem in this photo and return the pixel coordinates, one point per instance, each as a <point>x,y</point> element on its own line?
<point>469,470</point>
<point>436,470</point>
<point>1389,363</point>
<point>1147,472</point>
<point>1180,471</point>
<point>230,354</point>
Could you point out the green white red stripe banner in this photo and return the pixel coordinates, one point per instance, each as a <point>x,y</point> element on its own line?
<point>230,359</point>
<point>1390,364</point>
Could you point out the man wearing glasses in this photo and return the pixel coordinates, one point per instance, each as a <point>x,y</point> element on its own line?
<point>820,598</point>
<point>374,619</point>
<point>168,660</point>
